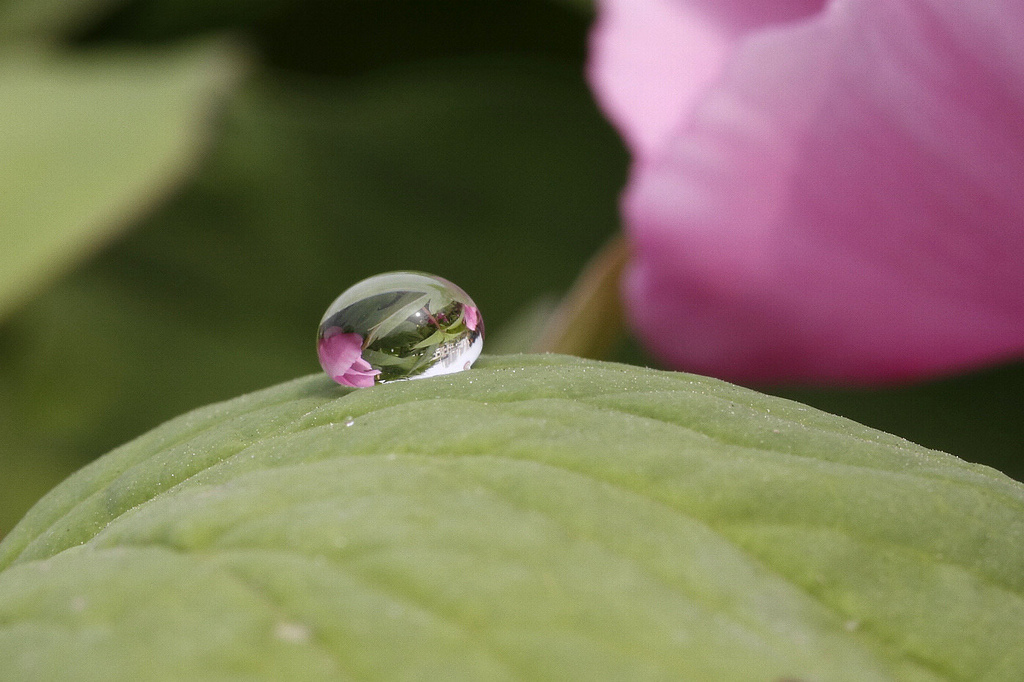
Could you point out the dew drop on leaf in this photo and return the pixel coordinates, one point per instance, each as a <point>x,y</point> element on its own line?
<point>399,325</point>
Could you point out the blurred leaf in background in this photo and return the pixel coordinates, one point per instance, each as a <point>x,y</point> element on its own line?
<point>88,143</point>
<point>46,20</point>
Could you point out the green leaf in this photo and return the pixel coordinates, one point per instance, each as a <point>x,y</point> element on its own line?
<point>538,517</point>
<point>90,143</point>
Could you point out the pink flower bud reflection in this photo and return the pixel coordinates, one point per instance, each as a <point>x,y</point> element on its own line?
<point>341,357</point>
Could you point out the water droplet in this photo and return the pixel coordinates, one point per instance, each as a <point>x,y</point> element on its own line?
<point>349,421</point>
<point>399,325</point>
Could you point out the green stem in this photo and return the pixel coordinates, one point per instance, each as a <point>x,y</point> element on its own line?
<point>588,323</point>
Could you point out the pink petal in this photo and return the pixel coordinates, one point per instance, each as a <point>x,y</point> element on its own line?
<point>471,316</point>
<point>651,59</point>
<point>843,202</point>
<point>361,374</point>
<point>361,365</point>
<point>648,62</point>
<point>357,379</point>
<point>339,353</point>
<point>739,16</point>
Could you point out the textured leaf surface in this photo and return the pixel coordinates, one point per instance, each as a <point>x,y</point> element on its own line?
<point>538,517</point>
<point>88,144</point>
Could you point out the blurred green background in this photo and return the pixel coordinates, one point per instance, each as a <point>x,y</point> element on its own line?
<point>349,137</point>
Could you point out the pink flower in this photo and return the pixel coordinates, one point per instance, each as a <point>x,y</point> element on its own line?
<point>821,191</point>
<point>471,316</point>
<point>341,357</point>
